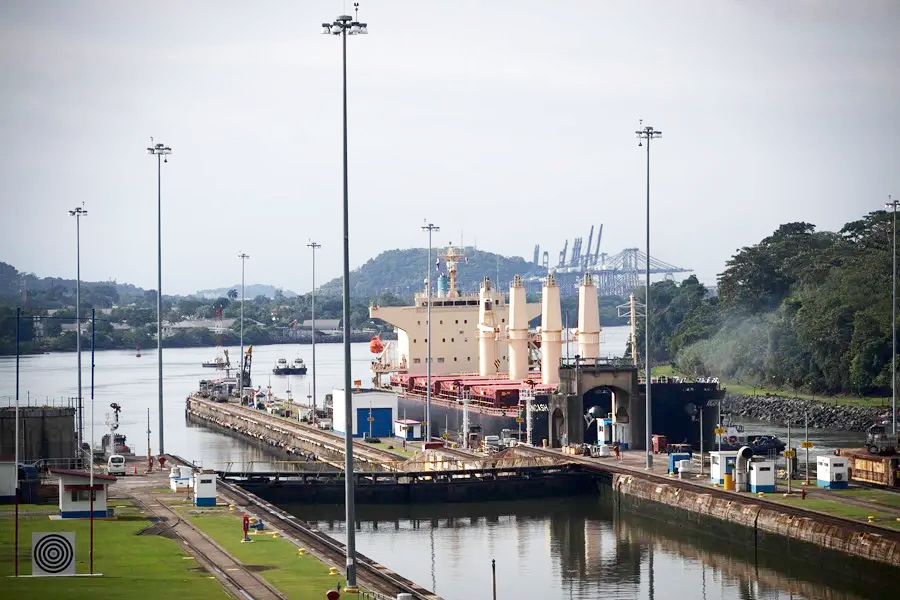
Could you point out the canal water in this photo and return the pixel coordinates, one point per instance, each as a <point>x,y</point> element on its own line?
<point>561,548</point>
<point>585,548</point>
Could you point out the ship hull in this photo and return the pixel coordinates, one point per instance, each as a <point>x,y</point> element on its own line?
<point>448,417</point>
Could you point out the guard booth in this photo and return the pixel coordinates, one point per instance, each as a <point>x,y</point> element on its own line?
<point>832,472</point>
<point>205,488</point>
<point>721,463</point>
<point>181,478</point>
<point>408,430</point>
<point>762,475</point>
<point>75,494</point>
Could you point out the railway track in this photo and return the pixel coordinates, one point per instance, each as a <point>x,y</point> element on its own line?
<point>214,558</point>
<point>328,440</point>
<point>385,583</point>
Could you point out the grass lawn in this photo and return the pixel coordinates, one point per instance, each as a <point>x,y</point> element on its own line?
<point>276,560</point>
<point>889,499</point>
<point>742,388</point>
<point>411,447</point>
<point>146,566</point>
<point>837,508</point>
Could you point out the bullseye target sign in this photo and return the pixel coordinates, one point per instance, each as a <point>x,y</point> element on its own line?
<point>52,554</point>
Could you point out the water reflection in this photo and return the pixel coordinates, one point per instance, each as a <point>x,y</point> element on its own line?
<point>586,548</point>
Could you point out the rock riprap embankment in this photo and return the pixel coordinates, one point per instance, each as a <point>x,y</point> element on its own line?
<point>822,414</point>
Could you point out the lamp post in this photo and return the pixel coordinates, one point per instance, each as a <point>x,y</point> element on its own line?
<point>430,228</point>
<point>893,204</point>
<point>160,150</point>
<point>344,26</point>
<point>78,212</point>
<point>243,258</point>
<point>647,133</point>
<point>312,329</point>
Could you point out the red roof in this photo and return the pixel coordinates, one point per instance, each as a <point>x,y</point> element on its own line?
<point>84,474</point>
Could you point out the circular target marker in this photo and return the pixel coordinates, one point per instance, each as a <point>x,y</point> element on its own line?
<point>53,553</point>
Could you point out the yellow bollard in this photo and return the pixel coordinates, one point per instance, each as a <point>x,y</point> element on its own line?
<point>332,571</point>
<point>275,535</point>
<point>301,551</point>
<point>231,507</point>
<point>870,518</point>
<point>761,494</point>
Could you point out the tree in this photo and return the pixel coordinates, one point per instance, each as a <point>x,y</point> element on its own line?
<point>232,295</point>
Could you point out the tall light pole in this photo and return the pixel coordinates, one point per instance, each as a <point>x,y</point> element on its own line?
<point>893,204</point>
<point>160,150</point>
<point>78,212</point>
<point>343,26</point>
<point>312,329</point>
<point>243,258</point>
<point>647,133</point>
<point>430,228</point>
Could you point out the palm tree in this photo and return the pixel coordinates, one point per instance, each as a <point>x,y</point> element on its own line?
<point>232,295</point>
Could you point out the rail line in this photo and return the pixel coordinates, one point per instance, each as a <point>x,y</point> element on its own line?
<point>327,440</point>
<point>385,583</point>
<point>234,587</point>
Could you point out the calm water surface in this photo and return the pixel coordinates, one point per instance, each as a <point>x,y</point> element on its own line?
<point>577,549</point>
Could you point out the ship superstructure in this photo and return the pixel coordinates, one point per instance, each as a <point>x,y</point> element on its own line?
<point>469,332</point>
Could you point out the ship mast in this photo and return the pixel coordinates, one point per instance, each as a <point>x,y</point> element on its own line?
<point>452,258</point>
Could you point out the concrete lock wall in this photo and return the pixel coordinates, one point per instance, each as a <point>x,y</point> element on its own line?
<point>759,522</point>
<point>44,432</point>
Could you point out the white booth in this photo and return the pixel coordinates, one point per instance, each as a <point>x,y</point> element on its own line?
<point>8,481</point>
<point>373,412</point>
<point>181,478</point>
<point>762,475</point>
<point>75,494</point>
<point>832,471</point>
<point>205,488</point>
<point>721,462</point>
<point>408,429</point>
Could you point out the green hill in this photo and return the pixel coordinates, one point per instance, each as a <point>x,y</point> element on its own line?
<point>403,272</point>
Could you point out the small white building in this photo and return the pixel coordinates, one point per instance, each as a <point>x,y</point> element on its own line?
<point>181,478</point>
<point>373,412</point>
<point>721,463</point>
<point>762,475</point>
<point>75,494</point>
<point>205,488</point>
<point>408,429</point>
<point>832,471</point>
<point>8,475</point>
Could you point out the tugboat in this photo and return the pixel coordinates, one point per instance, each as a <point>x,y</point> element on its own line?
<point>298,367</point>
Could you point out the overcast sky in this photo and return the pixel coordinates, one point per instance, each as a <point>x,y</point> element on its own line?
<point>508,124</point>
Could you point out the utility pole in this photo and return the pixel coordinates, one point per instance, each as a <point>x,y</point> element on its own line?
<point>893,204</point>
<point>430,228</point>
<point>243,258</point>
<point>648,133</point>
<point>312,329</point>
<point>160,151</point>
<point>78,212</point>
<point>343,26</point>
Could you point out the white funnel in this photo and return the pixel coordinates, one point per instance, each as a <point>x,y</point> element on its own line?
<point>551,332</point>
<point>518,331</point>
<point>588,319</point>
<point>487,332</point>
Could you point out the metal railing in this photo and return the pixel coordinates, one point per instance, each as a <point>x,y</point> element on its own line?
<point>30,400</point>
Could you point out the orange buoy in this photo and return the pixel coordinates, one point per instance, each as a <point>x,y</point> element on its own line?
<point>376,345</point>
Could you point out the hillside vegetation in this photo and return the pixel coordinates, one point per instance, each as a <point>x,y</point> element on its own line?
<point>801,309</point>
<point>403,272</point>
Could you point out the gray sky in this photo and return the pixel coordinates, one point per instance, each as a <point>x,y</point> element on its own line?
<point>510,123</point>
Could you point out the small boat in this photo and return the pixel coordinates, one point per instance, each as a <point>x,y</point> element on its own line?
<point>282,367</point>
<point>218,362</point>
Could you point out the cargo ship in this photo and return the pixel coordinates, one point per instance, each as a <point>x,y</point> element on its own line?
<point>488,367</point>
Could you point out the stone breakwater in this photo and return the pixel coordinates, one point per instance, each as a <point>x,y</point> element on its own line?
<point>822,414</point>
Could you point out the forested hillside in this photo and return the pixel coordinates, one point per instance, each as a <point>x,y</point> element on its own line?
<point>403,272</point>
<point>801,309</point>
